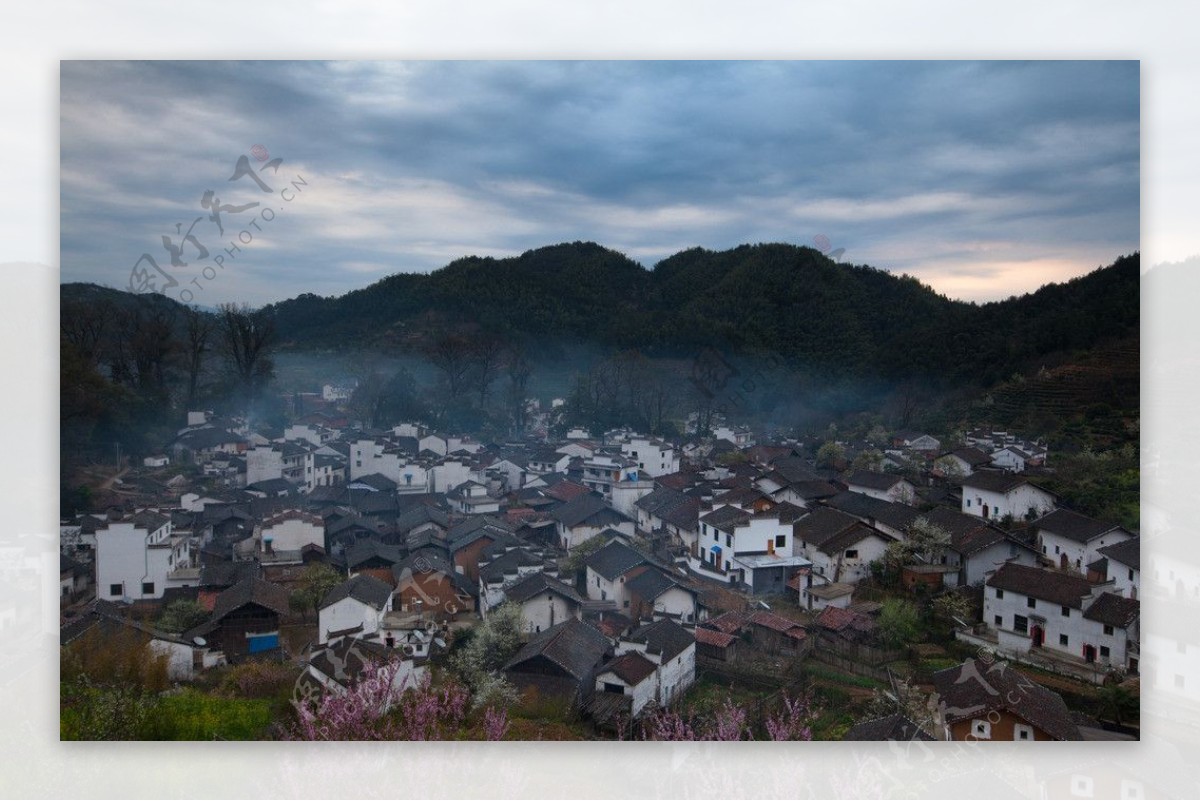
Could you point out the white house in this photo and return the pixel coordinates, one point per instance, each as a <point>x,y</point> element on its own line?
<point>654,457</point>
<point>654,594</point>
<point>883,486</point>
<point>544,601</point>
<point>356,606</point>
<point>738,435</point>
<point>1033,608</point>
<point>582,518</point>
<point>995,496</point>
<point>314,434</point>
<point>602,471</point>
<point>471,498</point>
<point>157,460</point>
<point>607,570</point>
<point>135,559</point>
<point>1072,541</point>
<point>840,548</point>
<point>292,529</point>
<point>977,547</point>
<point>754,548</point>
<point>1123,566</point>
<point>671,649</point>
<point>961,462</point>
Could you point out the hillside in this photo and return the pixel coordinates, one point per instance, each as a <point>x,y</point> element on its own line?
<point>834,318</point>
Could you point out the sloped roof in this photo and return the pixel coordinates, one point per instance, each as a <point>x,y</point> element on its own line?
<point>1127,552</point>
<point>1113,610</point>
<point>974,688</point>
<point>508,563</point>
<point>717,639</point>
<point>632,668</point>
<point>726,518</point>
<point>1052,586</point>
<point>774,622</point>
<point>890,727</point>
<point>823,524</point>
<point>850,536</point>
<point>535,584</point>
<point>838,620</point>
<point>972,456</point>
<point>586,508</point>
<point>994,481</point>
<point>895,515</point>
<point>251,591</point>
<point>1073,526</point>
<point>665,637</point>
<point>873,480</point>
<point>364,588</point>
<point>652,582</point>
<point>729,622</point>
<point>566,490</point>
<point>377,481</point>
<point>614,559</point>
<point>573,646</point>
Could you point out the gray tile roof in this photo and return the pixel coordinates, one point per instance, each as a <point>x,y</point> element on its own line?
<point>1052,586</point>
<point>973,689</point>
<point>575,647</point>
<point>1113,610</point>
<point>367,589</point>
<point>614,559</point>
<point>1128,552</point>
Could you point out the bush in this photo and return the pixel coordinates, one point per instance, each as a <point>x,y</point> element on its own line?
<point>258,679</point>
<point>192,715</point>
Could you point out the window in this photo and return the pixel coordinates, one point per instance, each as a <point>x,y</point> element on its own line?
<point>1108,630</point>
<point>981,729</point>
<point>1131,575</point>
<point>1066,610</point>
<point>115,589</point>
<point>999,620</point>
<point>1062,640</point>
<point>729,540</point>
<point>968,503</point>
<point>1031,603</point>
<point>999,593</point>
<point>147,588</point>
<point>1022,733</point>
<point>1020,624</point>
<point>1104,652</point>
<point>852,554</point>
<point>781,540</point>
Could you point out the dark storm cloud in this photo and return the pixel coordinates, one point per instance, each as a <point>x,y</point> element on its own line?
<point>983,179</point>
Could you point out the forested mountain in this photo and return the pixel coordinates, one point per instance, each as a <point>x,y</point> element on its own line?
<point>791,301</point>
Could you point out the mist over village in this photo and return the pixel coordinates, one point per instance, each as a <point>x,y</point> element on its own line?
<point>600,401</point>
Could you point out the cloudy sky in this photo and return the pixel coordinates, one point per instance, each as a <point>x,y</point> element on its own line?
<point>982,179</point>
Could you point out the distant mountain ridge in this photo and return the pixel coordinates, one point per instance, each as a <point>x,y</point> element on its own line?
<point>816,314</point>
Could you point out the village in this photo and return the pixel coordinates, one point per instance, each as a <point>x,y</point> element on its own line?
<point>911,587</point>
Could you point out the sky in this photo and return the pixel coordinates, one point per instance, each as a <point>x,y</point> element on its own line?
<point>981,179</point>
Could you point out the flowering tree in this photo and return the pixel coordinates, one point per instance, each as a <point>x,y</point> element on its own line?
<point>793,721</point>
<point>378,706</point>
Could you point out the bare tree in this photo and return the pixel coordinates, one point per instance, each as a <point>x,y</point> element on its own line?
<point>487,358</point>
<point>199,329</point>
<point>246,338</point>
<point>519,370</point>
<point>452,353</point>
<point>84,326</point>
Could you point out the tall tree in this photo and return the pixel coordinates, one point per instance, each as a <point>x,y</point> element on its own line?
<point>198,333</point>
<point>246,338</point>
